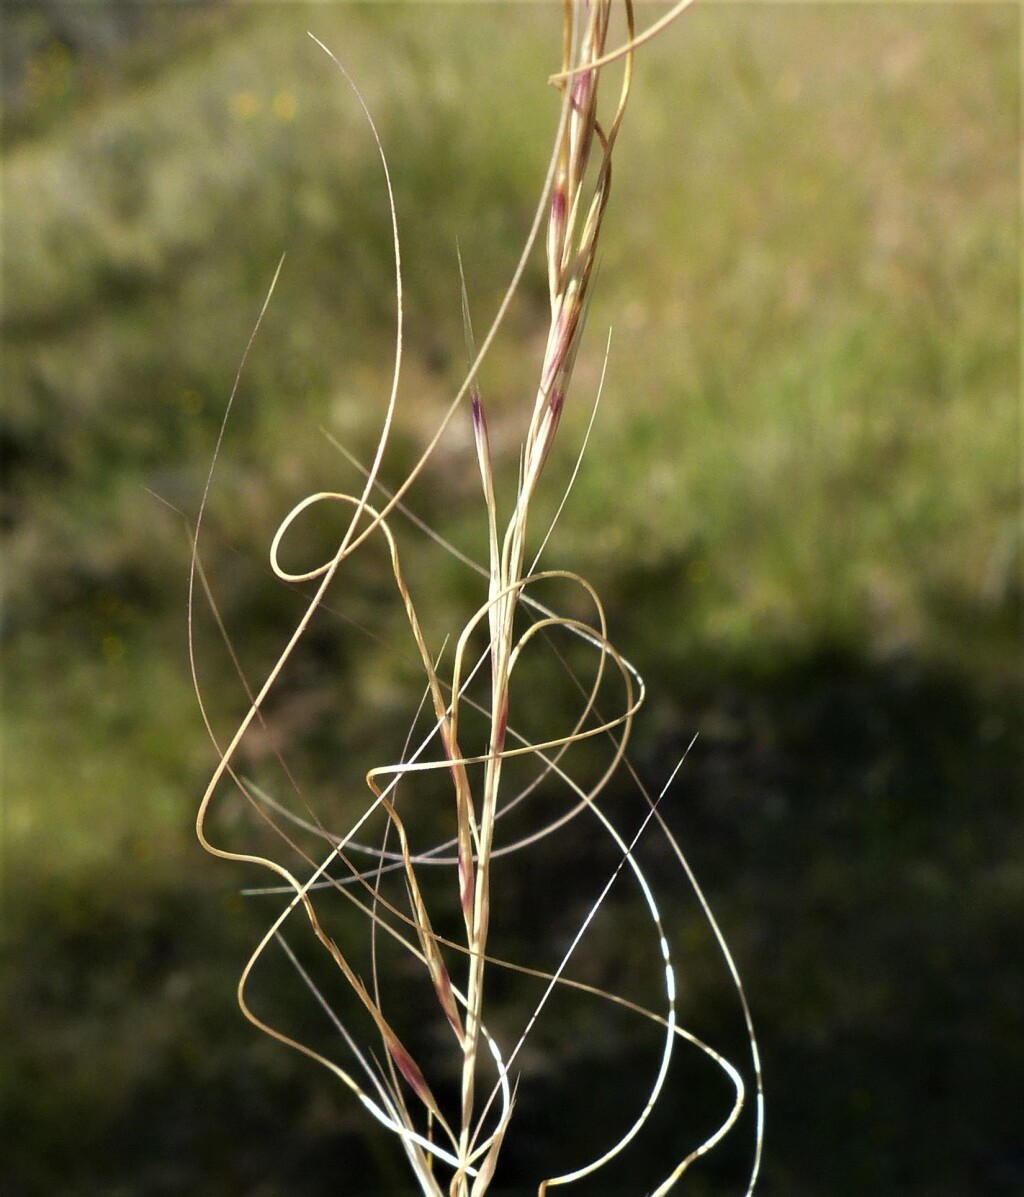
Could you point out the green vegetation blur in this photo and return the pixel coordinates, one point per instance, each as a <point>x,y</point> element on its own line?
<point>800,502</point>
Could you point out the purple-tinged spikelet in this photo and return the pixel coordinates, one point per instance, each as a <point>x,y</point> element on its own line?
<point>558,205</point>
<point>502,727</point>
<point>408,1067</point>
<point>483,447</point>
<point>581,90</point>
<point>467,885</point>
<point>556,236</point>
<point>443,988</point>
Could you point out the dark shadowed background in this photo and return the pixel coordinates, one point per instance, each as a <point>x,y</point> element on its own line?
<point>800,503</point>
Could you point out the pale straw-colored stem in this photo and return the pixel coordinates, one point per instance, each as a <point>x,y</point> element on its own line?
<point>570,248</point>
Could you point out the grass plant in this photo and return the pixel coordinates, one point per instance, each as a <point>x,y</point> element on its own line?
<point>812,482</point>
<point>472,727</point>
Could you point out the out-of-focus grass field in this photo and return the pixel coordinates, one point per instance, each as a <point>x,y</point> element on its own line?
<point>800,501</point>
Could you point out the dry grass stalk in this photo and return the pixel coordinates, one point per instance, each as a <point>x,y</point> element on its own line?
<point>397,1092</point>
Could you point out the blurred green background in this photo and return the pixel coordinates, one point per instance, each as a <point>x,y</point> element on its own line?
<point>800,503</point>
